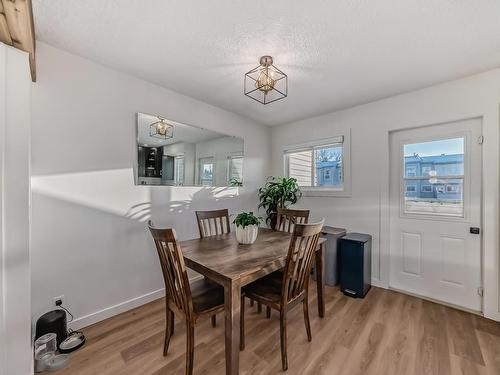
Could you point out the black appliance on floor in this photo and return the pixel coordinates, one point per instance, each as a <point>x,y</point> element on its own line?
<point>355,264</point>
<point>53,322</point>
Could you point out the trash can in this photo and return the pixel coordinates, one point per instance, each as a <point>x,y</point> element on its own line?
<point>333,236</point>
<point>355,264</point>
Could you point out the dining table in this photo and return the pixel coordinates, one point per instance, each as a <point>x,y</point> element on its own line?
<point>232,265</point>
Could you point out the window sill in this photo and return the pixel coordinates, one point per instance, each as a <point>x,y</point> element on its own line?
<point>319,192</point>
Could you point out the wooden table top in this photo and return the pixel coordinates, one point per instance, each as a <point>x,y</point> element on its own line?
<point>223,259</point>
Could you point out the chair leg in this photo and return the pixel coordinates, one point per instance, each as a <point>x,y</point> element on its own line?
<point>268,312</point>
<point>284,359</point>
<point>306,319</point>
<point>168,330</point>
<point>214,320</point>
<point>189,347</point>
<point>242,324</point>
<point>259,307</point>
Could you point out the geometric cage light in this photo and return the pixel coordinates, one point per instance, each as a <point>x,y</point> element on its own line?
<point>161,129</point>
<point>266,83</point>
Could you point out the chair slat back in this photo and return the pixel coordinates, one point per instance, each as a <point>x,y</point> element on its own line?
<point>211,223</point>
<point>299,260</point>
<point>288,218</point>
<point>173,268</point>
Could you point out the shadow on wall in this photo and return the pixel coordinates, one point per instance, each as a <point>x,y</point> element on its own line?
<point>89,239</point>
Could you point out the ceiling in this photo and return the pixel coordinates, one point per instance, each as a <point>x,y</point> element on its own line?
<point>181,132</point>
<point>337,54</point>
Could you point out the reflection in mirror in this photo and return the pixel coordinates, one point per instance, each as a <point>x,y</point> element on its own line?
<point>175,154</point>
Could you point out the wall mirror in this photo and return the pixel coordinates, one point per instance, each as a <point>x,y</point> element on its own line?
<point>175,154</point>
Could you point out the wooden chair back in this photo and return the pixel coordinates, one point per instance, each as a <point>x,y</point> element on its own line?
<point>299,260</point>
<point>211,223</point>
<point>288,218</point>
<point>176,279</point>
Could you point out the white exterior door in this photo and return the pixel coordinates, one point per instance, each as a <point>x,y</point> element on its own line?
<point>435,198</point>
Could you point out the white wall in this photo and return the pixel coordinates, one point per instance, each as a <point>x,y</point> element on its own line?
<point>370,124</point>
<point>89,237</point>
<point>15,312</point>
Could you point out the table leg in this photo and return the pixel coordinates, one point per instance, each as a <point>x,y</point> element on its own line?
<point>320,280</point>
<point>232,295</point>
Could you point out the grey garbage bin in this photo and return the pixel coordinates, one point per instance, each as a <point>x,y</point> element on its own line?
<point>333,236</point>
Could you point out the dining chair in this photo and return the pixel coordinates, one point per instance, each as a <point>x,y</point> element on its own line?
<point>283,293</point>
<point>212,223</point>
<point>188,301</point>
<point>287,219</point>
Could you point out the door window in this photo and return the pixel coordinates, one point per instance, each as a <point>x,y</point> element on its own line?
<point>437,168</point>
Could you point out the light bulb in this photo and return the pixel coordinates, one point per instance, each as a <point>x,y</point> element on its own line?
<point>265,82</point>
<point>161,128</point>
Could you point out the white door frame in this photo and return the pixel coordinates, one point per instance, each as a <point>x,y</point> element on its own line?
<point>491,297</point>
<point>466,194</point>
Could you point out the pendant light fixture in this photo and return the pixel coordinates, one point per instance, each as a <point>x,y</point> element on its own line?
<point>161,129</point>
<point>266,83</point>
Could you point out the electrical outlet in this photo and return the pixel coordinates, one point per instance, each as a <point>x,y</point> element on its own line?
<point>58,301</point>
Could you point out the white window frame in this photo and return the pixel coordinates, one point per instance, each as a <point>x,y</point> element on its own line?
<point>176,169</point>
<point>228,168</point>
<point>206,160</point>
<point>325,191</point>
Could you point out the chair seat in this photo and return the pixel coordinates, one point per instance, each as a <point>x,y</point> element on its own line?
<point>207,296</point>
<point>267,288</point>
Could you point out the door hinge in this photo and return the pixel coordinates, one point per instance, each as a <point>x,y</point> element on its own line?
<point>480,140</point>
<point>480,291</point>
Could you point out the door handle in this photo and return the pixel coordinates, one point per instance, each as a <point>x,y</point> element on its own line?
<point>475,230</point>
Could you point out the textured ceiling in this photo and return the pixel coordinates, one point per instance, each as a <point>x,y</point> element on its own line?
<point>337,53</point>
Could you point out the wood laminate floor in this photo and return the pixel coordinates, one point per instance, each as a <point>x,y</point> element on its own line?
<point>385,333</point>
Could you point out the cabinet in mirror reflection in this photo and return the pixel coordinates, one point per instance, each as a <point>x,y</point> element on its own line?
<point>175,154</point>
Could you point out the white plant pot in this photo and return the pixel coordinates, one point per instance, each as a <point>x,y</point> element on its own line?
<point>247,235</point>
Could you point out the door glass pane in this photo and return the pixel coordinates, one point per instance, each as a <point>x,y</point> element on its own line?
<point>433,179</point>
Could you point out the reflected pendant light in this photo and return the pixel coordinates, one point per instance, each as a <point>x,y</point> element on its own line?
<point>266,83</point>
<point>161,129</point>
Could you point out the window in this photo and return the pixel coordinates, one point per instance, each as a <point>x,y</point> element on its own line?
<point>411,171</point>
<point>317,166</point>
<point>179,170</point>
<point>426,170</point>
<point>452,188</point>
<point>426,189</point>
<point>411,188</point>
<point>207,170</point>
<point>441,179</point>
<point>235,170</point>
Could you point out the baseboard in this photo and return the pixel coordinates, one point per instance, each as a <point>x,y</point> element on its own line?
<point>378,283</point>
<point>108,312</point>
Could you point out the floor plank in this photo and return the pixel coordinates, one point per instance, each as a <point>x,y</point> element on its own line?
<point>385,333</point>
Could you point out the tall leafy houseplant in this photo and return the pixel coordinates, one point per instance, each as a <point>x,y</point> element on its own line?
<point>278,192</point>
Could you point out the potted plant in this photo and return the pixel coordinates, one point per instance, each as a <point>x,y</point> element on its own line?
<point>278,192</point>
<point>247,227</point>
